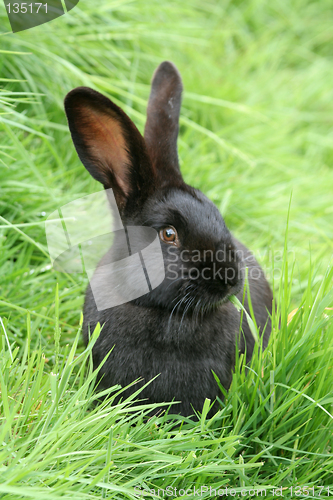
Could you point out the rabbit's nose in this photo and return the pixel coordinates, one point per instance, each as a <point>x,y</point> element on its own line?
<point>229,274</point>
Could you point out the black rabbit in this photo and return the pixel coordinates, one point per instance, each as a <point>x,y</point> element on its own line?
<point>186,327</point>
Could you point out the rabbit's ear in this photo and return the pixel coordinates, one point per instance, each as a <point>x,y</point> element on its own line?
<point>109,145</point>
<point>162,124</point>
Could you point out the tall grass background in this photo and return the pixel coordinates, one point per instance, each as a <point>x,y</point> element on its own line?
<point>256,136</point>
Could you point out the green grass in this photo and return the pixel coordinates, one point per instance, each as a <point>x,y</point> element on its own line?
<point>256,137</point>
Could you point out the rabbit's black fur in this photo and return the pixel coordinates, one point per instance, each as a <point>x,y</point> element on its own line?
<point>186,327</point>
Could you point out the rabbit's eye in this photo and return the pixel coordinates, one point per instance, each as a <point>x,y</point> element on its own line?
<point>169,235</point>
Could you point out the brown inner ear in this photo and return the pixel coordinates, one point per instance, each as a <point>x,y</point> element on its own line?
<point>105,141</point>
<point>110,146</point>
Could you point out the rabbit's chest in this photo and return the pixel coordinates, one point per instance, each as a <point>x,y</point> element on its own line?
<point>181,356</point>
<point>175,351</point>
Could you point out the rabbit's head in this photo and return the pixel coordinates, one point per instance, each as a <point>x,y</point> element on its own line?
<point>202,264</point>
